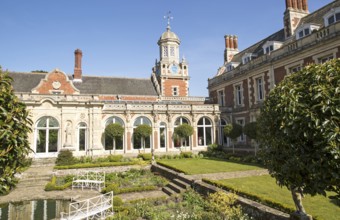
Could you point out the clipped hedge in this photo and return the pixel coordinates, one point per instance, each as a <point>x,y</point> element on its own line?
<point>145,156</point>
<point>91,165</point>
<point>116,190</point>
<point>186,154</point>
<point>265,201</point>
<point>52,185</point>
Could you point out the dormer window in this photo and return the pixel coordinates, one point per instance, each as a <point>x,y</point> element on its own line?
<point>246,58</point>
<point>305,30</point>
<point>332,16</point>
<point>232,65</point>
<point>270,46</point>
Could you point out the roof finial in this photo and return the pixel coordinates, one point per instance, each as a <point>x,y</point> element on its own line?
<point>168,17</point>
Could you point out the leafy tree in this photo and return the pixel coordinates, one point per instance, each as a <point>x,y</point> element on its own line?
<point>300,131</point>
<point>184,131</point>
<point>233,131</point>
<point>250,129</point>
<point>14,129</point>
<point>114,130</point>
<point>143,131</point>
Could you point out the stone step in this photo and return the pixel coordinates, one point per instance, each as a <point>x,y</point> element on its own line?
<point>35,175</point>
<point>168,191</point>
<point>37,179</point>
<point>175,187</point>
<point>43,162</point>
<point>181,184</point>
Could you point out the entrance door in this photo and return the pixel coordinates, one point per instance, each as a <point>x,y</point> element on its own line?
<point>47,137</point>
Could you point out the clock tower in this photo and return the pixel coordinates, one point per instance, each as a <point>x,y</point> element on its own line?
<point>172,74</point>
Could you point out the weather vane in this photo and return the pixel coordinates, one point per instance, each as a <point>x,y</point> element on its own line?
<point>168,17</point>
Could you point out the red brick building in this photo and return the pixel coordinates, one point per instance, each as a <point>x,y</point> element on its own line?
<point>247,76</point>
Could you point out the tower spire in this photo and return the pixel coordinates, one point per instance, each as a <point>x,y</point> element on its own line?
<point>168,17</point>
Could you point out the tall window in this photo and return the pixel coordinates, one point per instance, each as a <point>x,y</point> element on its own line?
<point>114,143</point>
<point>172,51</point>
<point>223,138</point>
<point>165,51</point>
<point>294,69</point>
<point>259,86</point>
<point>221,98</point>
<point>47,135</point>
<point>238,95</point>
<point>138,142</point>
<point>178,142</point>
<point>204,132</point>
<point>162,135</point>
<point>241,122</point>
<point>82,136</point>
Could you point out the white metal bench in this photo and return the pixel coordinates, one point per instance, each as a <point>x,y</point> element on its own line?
<point>99,207</point>
<point>89,179</point>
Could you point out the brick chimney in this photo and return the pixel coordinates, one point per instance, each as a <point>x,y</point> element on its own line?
<point>295,10</point>
<point>231,47</point>
<point>77,76</point>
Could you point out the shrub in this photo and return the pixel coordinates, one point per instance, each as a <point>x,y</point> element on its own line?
<point>65,157</point>
<point>115,158</point>
<point>103,164</point>
<point>117,201</point>
<point>50,186</point>
<point>145,156</point>
<point>114,130</point>
<point>186,154</point>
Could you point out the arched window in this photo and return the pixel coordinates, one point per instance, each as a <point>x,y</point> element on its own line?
<point>47,135</point>
<point>177,140</point>
<point>162,135</point>
<point>204,132</point>
<point>138,142</point>
<point>114,143</point>
<point>82,136</point>
<point>223,139</point>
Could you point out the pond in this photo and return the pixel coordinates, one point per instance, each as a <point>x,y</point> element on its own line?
<point>34,210</point>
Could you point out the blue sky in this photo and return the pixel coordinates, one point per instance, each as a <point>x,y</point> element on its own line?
<point>119,37</point>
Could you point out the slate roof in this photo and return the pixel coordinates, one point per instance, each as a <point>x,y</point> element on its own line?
<point>315,17</point>
<point>94,85</point>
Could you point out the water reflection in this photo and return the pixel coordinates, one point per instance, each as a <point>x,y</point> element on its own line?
<point>33,210</point>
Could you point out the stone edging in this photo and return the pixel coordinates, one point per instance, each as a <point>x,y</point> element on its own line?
<point>254,208</point>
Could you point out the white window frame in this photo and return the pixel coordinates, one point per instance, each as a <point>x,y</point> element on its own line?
<point>80,127</point>
<point>165,51</point>
<point>163,125</point>
<point>290,67</point>
<point>259,89</point>
<point>328,53</point>
<point>221,97</point>
<point>238,95</point>
<point>301,31</point>
<point>271,46</point>
<point>329,14</point>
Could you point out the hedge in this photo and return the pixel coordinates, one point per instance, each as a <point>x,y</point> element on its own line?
<point>170,167</point>
<point>145,156</point>
<point>116,190</point>
<point>257,198</point>
<point>90,165</point>
<point>52,185</point>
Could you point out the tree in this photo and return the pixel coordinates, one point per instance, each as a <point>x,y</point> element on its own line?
<point>184,131</point>
<point>143,131</point>
<point>113,132</point>
<point>14,128</point>
<point>250,129</point>
<point>300,131</point>
<point>233,131</point>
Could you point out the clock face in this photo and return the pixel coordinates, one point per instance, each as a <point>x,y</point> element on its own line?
<point>174,69</point>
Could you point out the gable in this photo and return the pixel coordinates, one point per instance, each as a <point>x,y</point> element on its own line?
<point>55,82</point>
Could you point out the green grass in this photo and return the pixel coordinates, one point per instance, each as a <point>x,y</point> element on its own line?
<point>204,165</point>
<point>266,188</point>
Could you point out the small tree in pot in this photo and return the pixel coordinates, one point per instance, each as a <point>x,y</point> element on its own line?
<point>184,131</point>
<point>143,131</point>
<point>114,131</point>
<point>233,131</point>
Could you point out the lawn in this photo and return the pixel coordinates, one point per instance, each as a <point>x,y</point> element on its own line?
<point>265,187</point>
<point>203,165</point>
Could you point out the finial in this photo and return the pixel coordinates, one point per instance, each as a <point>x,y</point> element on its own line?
<point>168,17</point>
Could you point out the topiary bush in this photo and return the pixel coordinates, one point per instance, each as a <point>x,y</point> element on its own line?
<point>145,156</point>
<point>115,158</point>
<point>65,157</point>
<point>186,154</point>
